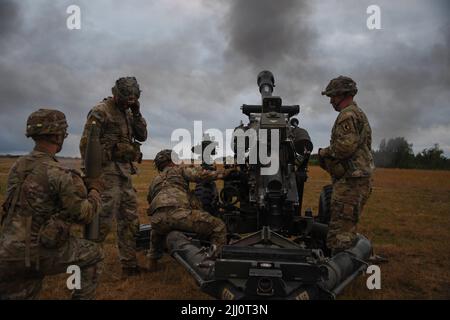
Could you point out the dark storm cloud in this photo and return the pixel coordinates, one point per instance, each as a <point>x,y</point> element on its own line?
<point>402,71</point>
<point>410,86</point>
<point>274,35</point>
<point>37,72</point>
<point>50,66</point>
<point>198,60</point>
<point>9,17</point>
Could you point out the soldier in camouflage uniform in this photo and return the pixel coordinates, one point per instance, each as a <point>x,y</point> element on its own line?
<point>43,199</point>
<point>349,161</point>
<point>173,207</point>
<point>121,126</point>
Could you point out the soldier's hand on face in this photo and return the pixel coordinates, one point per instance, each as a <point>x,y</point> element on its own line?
<point>135,106</point>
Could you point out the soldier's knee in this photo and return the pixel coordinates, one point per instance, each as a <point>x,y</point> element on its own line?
<point>90,253</point>
<point>219,226</point>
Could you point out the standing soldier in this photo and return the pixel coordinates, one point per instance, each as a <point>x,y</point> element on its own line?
<point>121,127</point>
<point>349,161</point>
<point>43,198</point>
<point>174,207</point>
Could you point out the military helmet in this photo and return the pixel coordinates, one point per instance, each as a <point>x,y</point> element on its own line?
<point>126,87</point>
<point>163,158</point>
<point>341,86</point>
<point>46,122</point>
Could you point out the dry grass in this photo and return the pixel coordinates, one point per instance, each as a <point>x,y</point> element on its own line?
<point>407,218</point>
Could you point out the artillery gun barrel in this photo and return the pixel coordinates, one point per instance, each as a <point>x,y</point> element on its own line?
<point>266,83</point>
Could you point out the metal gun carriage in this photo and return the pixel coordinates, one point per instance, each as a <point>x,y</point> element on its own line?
<point>275,250</point>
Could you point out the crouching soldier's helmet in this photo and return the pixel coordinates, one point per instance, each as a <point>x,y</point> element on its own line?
<point>162,159</point>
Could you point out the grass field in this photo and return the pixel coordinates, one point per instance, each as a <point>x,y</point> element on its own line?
<point>407,218</point>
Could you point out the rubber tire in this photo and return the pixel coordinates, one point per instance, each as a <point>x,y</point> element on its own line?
<point>324,214</point>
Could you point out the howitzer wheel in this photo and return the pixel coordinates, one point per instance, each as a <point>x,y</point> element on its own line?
<point>324,215</point>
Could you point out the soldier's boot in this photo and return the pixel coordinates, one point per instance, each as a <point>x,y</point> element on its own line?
<point>130,272</point>
<point>152,265</point>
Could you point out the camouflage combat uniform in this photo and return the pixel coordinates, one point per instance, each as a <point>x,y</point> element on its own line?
<point>118,131</point>
<point>349,161</point>
<point>43,198</point>
<point>174,207</point>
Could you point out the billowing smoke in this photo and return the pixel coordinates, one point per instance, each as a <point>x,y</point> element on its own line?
<point>265,32</point>
<point>198,60</point>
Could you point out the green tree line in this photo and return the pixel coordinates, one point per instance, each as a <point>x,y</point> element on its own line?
<point>398,153</point>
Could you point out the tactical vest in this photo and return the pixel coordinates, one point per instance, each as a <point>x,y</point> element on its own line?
<point>117,134</point>
<point>20,220</point>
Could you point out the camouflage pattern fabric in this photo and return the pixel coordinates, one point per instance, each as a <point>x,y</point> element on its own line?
<point>200,222</point>
<point>174,207</point>
<point>349,153</point>
<point>118,130</point>
<point>43,199</point>
<point>171,187</point>
<point>18,282</point>
<point>347,202</point>
<point>119,200</point>
<point>349,161</point>
<point>126,87</point>
<point>46,122</point>
<point>340,86</point>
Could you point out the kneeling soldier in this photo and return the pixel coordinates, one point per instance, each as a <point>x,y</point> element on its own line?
<point>43,199</point>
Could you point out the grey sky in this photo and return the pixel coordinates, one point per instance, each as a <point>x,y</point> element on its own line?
<point>198,60</point>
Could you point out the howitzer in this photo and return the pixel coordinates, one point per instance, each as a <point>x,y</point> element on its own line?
<point>273,199</point>
<point>93,170</point>
<point>283,254</point>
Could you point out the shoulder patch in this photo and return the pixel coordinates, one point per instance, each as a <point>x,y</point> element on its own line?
<point>346,126</point>
<point>344,116</point>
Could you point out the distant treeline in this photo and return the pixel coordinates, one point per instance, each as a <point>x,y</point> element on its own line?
<point>398,153</point>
